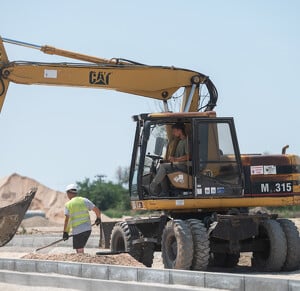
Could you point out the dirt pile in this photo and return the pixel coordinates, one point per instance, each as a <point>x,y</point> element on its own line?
<point>38,221</point>
<point>120,259</point>
<point>14,187</point>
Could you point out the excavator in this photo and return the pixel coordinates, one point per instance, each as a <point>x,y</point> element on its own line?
<point>204,216</point>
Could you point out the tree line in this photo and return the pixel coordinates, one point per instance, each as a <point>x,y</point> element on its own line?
<point>112,198</point>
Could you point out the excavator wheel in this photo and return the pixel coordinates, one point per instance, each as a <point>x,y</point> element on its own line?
<point>121,239</point>
<point>274,257</point>
<point>177,245</point>
<point>201,244</point>
<point>293,245</point>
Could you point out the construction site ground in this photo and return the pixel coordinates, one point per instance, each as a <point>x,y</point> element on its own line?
<point>39,227</point>
<point>20,259</point>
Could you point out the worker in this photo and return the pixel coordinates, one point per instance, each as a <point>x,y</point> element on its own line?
<point>77,217</point>
<point>174,163</point>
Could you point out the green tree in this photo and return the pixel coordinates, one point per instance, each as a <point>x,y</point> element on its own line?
<point>122,175</point>
<point>105,195</point>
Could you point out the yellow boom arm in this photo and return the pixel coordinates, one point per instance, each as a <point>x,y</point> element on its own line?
<point>157,82</point>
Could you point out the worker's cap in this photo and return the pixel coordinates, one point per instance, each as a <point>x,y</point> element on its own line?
<point>72,188</point>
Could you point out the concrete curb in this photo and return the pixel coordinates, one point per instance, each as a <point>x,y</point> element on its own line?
<point>58,281</point>
<point>171,278</point>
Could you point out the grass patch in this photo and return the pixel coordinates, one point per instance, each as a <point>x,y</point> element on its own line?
<point>286,211</point>
<point>117,213</point>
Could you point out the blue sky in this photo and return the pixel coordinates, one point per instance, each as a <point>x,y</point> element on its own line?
<point>58,135</point>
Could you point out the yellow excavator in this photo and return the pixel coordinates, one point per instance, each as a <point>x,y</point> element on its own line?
<point>204,217</point>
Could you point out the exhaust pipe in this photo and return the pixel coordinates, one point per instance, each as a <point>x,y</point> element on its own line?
<point>283,151</point>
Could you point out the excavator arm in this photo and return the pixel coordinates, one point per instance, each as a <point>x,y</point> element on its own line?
<point>158,82</point>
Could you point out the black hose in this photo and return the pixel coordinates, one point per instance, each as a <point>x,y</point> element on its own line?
<point>213,94</point>
<point>2,89</point>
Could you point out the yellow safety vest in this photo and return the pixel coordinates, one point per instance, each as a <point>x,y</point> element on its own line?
<point>78,212</point>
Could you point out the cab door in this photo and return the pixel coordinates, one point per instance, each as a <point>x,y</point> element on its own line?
<point>216,158</point>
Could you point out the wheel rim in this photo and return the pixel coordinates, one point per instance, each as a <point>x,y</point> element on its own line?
<point>120,244</point>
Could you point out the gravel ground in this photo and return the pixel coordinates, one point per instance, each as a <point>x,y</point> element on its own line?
<point>67,254</point>
<point>120,259</point>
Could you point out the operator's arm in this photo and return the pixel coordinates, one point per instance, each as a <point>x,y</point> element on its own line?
<point>180,159</point>
<point>181,153</point>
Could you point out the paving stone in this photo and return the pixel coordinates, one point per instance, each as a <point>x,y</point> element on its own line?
<point>294,285</point>
<point>46,267</point>
<point>224,281</point>
<point>95,271</point>
<point>153,275</point>
<point>71,269</point>
<point>187,278</point>
<point>7,264</point>
<point>122,273</point>
<point>25,265</point>
<point>266,284</point>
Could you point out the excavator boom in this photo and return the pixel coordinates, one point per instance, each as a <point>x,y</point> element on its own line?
<point>158,82</point>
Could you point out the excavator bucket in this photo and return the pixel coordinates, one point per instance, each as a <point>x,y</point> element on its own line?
<point>12,215</point>
<point>3,82</point>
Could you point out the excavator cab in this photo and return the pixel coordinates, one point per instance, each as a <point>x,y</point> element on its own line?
<point>213,171</point>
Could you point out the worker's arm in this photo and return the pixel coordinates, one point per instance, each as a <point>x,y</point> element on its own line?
<point>97,211</point>
<point>66,229</point>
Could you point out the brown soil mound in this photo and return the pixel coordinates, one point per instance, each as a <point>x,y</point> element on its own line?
<point>120,259</point>
<point>38,221</point>
<point>14,187</point>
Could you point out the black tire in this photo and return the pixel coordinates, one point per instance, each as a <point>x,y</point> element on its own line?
<point>121,239</point>
<point>177,245</point>
<point>201,244</point>
<point>274,257</point>
<point>293,245</point>
<point>147,254</point>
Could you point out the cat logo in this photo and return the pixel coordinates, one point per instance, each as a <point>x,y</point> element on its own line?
<point>100,78</point>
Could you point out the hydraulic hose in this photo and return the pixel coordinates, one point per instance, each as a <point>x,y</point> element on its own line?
<point>213,94</point>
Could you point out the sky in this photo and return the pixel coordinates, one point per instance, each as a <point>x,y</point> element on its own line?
<point>60,135</point>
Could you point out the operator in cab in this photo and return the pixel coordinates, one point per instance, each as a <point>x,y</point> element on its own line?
<point>77,218</point>
<point>176,162</point>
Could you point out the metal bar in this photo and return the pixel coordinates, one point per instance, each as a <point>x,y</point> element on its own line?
<point>166,107</point>
<point>21,43</point>
<point>189,101</point>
